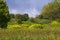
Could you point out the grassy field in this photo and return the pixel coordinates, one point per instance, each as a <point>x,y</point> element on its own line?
<point>26,34</point>
<point>16,31</point>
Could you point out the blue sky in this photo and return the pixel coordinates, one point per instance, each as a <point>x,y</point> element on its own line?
<point>32,7</point>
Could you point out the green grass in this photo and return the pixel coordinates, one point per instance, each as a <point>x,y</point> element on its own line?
<point>48,32</point>
<point>26,34</point>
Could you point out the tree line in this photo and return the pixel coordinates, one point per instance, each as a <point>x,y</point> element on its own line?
<point>19,17</point>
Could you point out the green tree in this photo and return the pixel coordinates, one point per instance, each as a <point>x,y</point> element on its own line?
<point>4,14</point>
<point>51,11</point>
<point>20,17</point>
<point>25,17</point>
<point>12,15</point>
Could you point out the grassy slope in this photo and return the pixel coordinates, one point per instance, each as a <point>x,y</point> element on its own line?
<point>49,32</point>
<point>26,34</point>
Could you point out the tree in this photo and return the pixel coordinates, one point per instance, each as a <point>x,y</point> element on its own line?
<point>25,17</point>
<point>51,11</point>
<point>4,14</point>
<point>12,15</point>
<point>20,17</point>
<point>56,0</point>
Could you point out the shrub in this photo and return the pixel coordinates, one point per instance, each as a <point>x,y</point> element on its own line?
<point>13,26</point>
<point>19,21</point>
<point>39,21</point>
<point>32,20</point>
<point>36,26</point>
<point>27,22</point>
<point>44,21</point>
<point>24,26</point>
<point>54,22</point>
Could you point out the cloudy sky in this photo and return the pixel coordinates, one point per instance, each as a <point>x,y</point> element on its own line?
<point>32,7</point>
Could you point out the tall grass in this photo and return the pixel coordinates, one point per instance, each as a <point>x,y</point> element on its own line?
<point>26,34</point>
<point>24,31</point>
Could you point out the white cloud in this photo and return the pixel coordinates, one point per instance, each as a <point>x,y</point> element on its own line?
<point>32,7</point>
<point>32,12</point>
<point>14,11</point>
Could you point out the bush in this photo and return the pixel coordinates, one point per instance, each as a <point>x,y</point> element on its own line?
<point>13,26</point>
<point>40,21</point>
<point>19,21</point>
<point>27,22</point>
<point>12,23</point>
<point>36,26</point>
<point>44,21</point>
<point>32,20</point>
<point>54,22</point>
<point>23,26</point>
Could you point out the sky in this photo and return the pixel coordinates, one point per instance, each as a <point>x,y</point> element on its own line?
<point>31,7</point>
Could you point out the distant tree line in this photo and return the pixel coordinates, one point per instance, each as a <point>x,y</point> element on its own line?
<point>20,17</point>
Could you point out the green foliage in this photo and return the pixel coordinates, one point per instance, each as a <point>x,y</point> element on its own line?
<point>51,11</point>
<point>25,17</point>
<point>20,18</point>
<point>12,15</point>
<point>32,20</point>
<point>44,21</point>
<point>40,16</point>
<point>36,26</point>
<point>4,14</point>
<point>39,21</point>
<point>27,22</point>
<point>24,26</point>
<point>12,23</point>
<point>19,21</point>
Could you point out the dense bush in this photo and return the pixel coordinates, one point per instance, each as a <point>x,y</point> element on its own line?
<point>54,22</point>
<point>36,26</point>
<point>19,21</point>
<point>32,20</point>
<point>25,17</point>
<point>24,26</point>
<point>21,17</point>
<point>13,26</point>
<point>12,16</point>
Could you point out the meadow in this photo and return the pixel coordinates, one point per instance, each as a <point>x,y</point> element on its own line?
<point>30,25</point>
<point>16,31</point>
